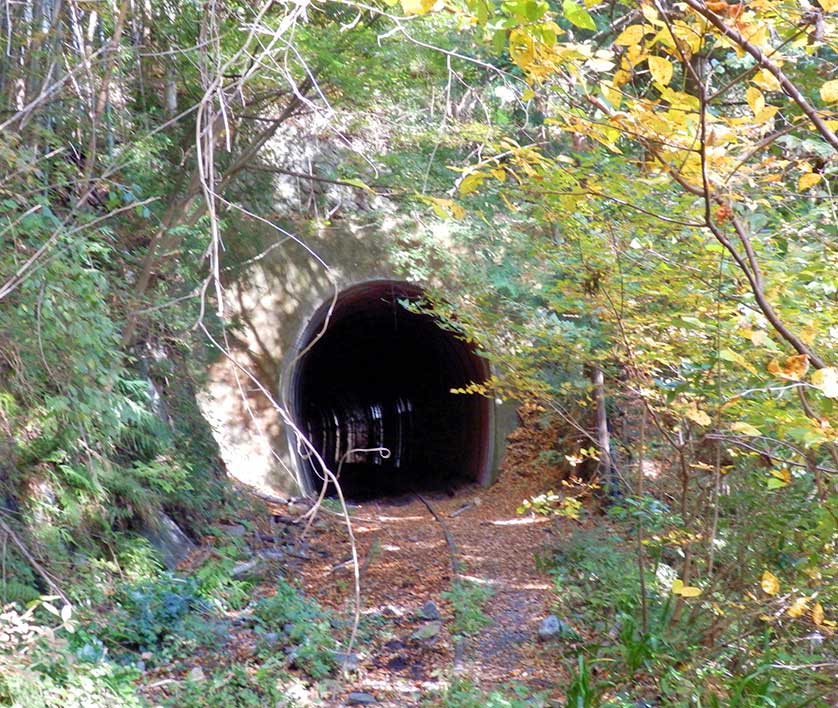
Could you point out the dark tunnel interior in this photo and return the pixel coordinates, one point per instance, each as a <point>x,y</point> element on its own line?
<point>380,376</point>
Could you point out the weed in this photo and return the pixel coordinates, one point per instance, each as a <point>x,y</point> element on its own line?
<point>467,599</point>
<point>464,693</point>
<point>306,626</point>
<point>582,691</point>
<point>234,687</point>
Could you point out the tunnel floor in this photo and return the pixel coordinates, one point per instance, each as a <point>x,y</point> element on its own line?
<point>380,376</point>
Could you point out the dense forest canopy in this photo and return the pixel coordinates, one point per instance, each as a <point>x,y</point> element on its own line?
<point>633,200</point>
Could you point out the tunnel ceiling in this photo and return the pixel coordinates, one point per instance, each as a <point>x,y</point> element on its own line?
<point>381,376</point>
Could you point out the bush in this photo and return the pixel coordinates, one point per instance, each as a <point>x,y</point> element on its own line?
<point>147,612</point>
<point>304,624</point>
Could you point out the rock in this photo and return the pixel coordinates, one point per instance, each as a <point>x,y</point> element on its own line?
<point>549,627</point>
<point>234,530</point>
<point>428,631</point>
<point>196,674</point>
<point>168,539</point>
<point>552,627</point>
<point>349,661</point>
<point>271,637</point>
<point>245,567</point>
<point>359,698</point>
<point>429,611</point>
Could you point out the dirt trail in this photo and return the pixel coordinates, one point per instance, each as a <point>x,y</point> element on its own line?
<point>406,562</point>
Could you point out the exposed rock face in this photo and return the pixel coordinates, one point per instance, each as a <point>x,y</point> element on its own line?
<point>170,542</point>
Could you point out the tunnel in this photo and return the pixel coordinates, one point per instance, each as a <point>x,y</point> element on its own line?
<point>371,389</point>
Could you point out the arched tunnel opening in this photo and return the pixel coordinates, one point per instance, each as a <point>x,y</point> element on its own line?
<point>372,373</point>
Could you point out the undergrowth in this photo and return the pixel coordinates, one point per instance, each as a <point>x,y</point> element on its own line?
<point>465,693</point>
<point>467,599</point>
<point>708,648</point>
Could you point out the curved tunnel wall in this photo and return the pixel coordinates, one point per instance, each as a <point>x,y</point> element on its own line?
<point>379,375</point>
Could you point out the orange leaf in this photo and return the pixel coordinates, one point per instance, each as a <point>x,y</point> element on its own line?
<point>794,368</point>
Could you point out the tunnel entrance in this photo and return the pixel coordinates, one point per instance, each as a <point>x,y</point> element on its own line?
<point>380,376</point>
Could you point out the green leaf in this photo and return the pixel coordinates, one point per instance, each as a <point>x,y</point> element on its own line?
<point>578,15</point>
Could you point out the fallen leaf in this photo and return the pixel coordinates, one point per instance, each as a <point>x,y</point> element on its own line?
<point>769,583</point>
<point>798,607</point>
<point>817,614</point>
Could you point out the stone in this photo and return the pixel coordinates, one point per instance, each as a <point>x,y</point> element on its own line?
<point>429,611</point>
<point>245,567</point>
<point>349,661</point>
<point>234,530</point>
<point>359,698</point>
<point>196,674</point>
<point>552,627</point>
<point>428,631</point>
<point>168,540</point>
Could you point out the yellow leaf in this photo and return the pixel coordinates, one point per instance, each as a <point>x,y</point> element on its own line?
<point>471,182</point>
<point>829,5</point>
<point>631,36</point>
<point>759,337</point>
<point>794,368</point>
<point>651,14</point>
<point>445,208</point>
<point>678,588</point>
<point>798,607</point>
<point>745,429</point>
<point>817,610</point>
<point>417,7</point>
<point>521,48</point>
<point>457,211</point>
<point>696,415</point>
<point>808,179</point>
<point>766,80</point>
<point>611,94</point>
<point>782,474</point>
<point>809,333</point>
<point>765,114</point>
<point>769,583</point>
<point>755,99</point>
<point>661,70</point>
<point>829,91</point>
<point>826,380</point>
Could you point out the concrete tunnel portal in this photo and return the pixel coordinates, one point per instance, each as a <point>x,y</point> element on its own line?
<point>371,373</point>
